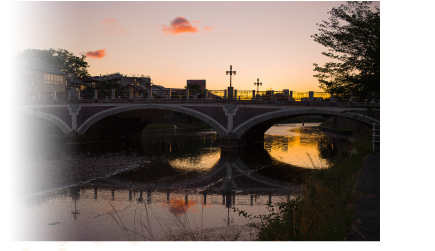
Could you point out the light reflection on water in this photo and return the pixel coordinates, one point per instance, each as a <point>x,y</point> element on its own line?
<point>296,145</point>
<point>185,183</point>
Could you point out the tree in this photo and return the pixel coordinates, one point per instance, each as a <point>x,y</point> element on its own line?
<point>61,59</point>
<point>352,35</point>
<point>194,87</point>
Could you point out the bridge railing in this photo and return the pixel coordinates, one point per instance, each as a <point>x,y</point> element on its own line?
<point>300,96</point>
<point>104,94</point>
<point>137,94</point>
<point>121,94</point>
<point>244,94</point>
<point>86,94</point>
<point>216,94</point>
<point>178,94</point>
<point>211,94</point>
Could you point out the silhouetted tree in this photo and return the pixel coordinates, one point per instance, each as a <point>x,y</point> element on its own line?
<point>61,59</point>
<point>193,87</point>
<point>352,35</point>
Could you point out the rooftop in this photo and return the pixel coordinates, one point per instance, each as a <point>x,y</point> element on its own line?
<point>36,64</point>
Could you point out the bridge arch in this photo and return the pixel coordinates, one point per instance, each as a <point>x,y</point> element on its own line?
<point>51,118</point>
<point>252,130</point>
<point>172,108</point>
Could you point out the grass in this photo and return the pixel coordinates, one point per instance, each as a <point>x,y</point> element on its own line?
<point>324,211</point>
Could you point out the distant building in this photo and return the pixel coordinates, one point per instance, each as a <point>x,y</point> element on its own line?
<point>75,82</point>
<point>32,75</point>
<point>90,81</point>
<point>200,82</point>
<point>141,81</point>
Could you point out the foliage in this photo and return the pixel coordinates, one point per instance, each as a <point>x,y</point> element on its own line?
<point>194,87</point>
<point>106,85</point>
<point>352,35</point>
<point>324,211</point>
<point>61,59</point>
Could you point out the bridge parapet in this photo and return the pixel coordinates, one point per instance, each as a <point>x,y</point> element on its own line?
<point>197,100</point>
<point>238,122</point>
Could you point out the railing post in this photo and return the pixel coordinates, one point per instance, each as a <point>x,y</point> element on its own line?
<point>286,93</point>
<point>352,97</point>
<point>187,93</point>
<point>169,93</point>
<point>113,93</point>
<point>95,94</point>
<point>130,94</point>
<point>272,95</point>
<point>253,94</point>
<point>290,97</point>
<point>78,95</point>
<point>311,96</point>
<point>230,93</point>
<point>150,93</point>
<point>141,95</point>
<point>225,94</point>
<point>54,95</point>
<point>206,94</point>
<point>332,97</point>
<point>235,94</point>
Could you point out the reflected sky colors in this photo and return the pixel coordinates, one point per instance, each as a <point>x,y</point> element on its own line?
<point>174,182</point>
<point>296,145</point>
<point>201,163</point>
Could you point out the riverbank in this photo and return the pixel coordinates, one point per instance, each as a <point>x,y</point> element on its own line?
<point>331,203</point>
<point>366,224</point>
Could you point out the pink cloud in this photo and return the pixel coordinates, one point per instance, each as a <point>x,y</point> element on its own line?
<point>108,20</point>
<point>96,54</point>
<point>208,28</point>
<point>13,49</point>
<point>180,25</point>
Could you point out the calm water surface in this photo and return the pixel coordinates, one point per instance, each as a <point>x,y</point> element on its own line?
<point>174,185</point>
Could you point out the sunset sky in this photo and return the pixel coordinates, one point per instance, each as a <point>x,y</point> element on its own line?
<point>176,41</point>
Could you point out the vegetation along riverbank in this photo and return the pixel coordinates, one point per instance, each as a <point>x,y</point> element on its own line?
<point>325,209</point>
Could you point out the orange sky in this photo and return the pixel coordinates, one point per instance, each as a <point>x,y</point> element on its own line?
<point>176,41</point>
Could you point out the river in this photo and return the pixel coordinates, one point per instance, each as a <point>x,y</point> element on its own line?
<point>173,185</point>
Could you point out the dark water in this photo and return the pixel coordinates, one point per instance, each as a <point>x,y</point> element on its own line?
<point>174,185</point>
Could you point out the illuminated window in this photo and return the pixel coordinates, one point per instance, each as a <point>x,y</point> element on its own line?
<point>51,79</point>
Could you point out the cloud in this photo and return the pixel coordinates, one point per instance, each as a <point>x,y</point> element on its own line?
<point>180,25</point>
<point>96,54</point>
<point>108,20</point>
<point>208,28</point>
<point>112,28</point>
<point>15,21</point>
<point>13,49</point>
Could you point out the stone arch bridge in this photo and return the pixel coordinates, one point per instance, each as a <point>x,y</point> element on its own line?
<point>238,123</point>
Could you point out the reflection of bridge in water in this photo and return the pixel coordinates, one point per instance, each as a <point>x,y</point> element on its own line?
<point>230,182</point>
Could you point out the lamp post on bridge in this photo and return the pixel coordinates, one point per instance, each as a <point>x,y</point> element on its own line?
<point>258,83</point>
<point>231,73</point>
<point>230,89</point>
